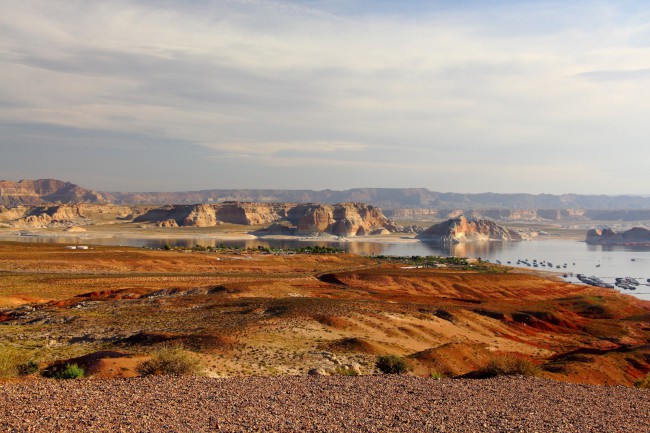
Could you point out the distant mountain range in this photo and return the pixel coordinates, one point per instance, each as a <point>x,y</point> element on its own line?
<point>51,191</point>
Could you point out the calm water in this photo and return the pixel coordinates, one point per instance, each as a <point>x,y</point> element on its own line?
<point>605,262</point>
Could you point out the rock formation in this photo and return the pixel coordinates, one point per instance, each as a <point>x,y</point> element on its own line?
<point>633,236</point>
<point>60,215</point>
<point>343,219</point>
<point>501,214</point>
<point>51,191</point>
<point>167,224</point>
<point>459,230</point>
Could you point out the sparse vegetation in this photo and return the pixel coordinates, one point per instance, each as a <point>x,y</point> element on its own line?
<point>242,313</point>
<point>27,368</point>
<point>508,365</point>
<point>169,360</point>
<point>644,382</point>
<point>9,360</point>
<point>392,364</point>
<point>70,371</point>
<point>14,362</point>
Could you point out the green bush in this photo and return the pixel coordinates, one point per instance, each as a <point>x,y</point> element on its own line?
<point>70,371</point>
<point>392,364</point>
<point>169,360</point>
<point>507,365</point>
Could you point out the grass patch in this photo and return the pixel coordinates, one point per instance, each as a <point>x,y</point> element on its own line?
<point>170,360</point>
<point>15,362</point>
<point>508,365</point>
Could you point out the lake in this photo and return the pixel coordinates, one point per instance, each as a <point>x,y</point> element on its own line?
<point>606,262</point>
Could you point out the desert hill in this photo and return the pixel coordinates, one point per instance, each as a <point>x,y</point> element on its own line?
<point>45,191</point>
<point>461,229</point>
<point>50,191</point>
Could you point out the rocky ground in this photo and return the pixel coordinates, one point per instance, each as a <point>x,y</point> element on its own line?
<point>321,404</point>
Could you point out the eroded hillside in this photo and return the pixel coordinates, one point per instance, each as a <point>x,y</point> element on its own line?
<point>247,313</point>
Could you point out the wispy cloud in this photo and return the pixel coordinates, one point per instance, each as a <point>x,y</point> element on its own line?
<point>616,75</point>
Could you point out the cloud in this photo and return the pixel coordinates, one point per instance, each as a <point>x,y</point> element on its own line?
<point>616,75</point>
<point>392,94</point>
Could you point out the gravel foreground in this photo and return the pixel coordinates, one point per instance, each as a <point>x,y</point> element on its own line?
<point>320,404</point>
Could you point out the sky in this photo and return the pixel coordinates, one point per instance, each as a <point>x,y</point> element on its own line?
<point>458,96</point>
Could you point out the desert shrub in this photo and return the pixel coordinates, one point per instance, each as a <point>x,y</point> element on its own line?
<point>27,368</point>
<point>436,375</point>
<point>171,360</point>
<point>392,364</point>
<point>70,371</point>
<point>643,383</point>
<point>507,365</point>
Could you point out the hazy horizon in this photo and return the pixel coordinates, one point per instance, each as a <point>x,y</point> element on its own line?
<point>538,97</point>
<point>326,189</point>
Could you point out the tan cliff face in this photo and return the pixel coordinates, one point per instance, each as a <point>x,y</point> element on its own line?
<point>61,215</point>
<point>459,230</point>
<point>343,219</point>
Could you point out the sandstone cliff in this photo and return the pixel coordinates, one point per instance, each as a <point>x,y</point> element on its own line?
<point>343,219</point>
<point>459,230</point>
<point>633,236</point>
<point>208,215</point>
<point>61,215</point>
